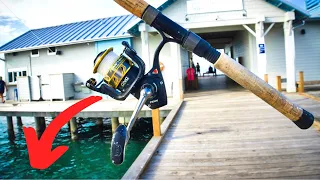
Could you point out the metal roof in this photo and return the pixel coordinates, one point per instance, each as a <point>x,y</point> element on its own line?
<point>313,6</point>
<point>288,6</point>
<point>73,33</point>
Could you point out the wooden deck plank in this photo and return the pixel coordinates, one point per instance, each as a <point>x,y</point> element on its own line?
<point>231,135</point>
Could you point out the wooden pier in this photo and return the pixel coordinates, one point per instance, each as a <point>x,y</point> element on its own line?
<point>103,109</point>
<point>230,135</point>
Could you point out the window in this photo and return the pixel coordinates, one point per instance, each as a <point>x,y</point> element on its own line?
<point>14,73</point>
<point>35,53</point>
<point>52,51</point>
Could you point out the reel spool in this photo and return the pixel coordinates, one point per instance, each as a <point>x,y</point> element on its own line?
<point>117,71</point>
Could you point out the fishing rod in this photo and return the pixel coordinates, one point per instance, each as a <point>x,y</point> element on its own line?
<point>124,74</point>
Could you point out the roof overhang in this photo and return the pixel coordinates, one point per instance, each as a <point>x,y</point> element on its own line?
<point>65,44</point>
<point>285,5</point>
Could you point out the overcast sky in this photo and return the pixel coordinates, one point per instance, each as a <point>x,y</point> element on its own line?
<point>18,16</point>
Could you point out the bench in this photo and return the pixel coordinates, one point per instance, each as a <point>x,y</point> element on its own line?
<point>209,73</point>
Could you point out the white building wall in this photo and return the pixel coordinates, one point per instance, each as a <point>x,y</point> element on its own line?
<point>308,50</point>
<point>241,48</point>
<point>77,59</point>
<point>275,50</point>
<point>253,8</point>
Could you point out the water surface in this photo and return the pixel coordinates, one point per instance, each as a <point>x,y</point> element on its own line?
<point>87,158</point>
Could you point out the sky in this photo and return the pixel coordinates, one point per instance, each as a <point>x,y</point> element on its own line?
<point>18,16</point>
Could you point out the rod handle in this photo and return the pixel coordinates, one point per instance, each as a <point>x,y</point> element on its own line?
<point>302,118</point>
<point>136,7</point>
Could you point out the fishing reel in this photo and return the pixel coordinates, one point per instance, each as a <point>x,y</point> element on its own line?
<point>124,75</point>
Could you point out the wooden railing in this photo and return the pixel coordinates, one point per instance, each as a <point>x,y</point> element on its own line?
<point>299,84</point>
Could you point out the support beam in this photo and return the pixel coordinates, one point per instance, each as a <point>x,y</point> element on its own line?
<point>10,128</point>
<point>290,56</point>
<point>19,121</point>
<point>145,46</point>
<point>249,29</point>
<point>261,50</point>
<point>40,125</point>
<point>176,59</point>
<point>114,123</point>
<point>269,28</point>
<point>74,129</point>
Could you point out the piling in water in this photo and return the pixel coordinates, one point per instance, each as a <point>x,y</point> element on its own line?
<point>10,128</point>
<point>19,121</point>
<point>40,125</point>
<point>73,129</point>
<point>114,123</point>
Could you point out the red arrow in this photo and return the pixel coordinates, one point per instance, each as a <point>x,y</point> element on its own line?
<point>40,154</point>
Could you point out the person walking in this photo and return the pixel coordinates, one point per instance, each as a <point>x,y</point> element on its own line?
<point>3,87</point>
<point>198,69</point>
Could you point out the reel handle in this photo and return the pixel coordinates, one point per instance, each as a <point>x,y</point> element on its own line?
<point>122,134</point>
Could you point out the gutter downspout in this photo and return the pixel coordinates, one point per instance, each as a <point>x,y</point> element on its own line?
<point>302,24</point>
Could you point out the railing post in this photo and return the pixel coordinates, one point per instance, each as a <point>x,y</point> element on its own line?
<point>278,81</point>
<point>266,78</point>
<point>114,123</point>
<point>301,83</point>
<point>156,122</point>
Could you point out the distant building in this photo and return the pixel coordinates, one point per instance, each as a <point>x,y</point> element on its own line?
<point>267,36</point>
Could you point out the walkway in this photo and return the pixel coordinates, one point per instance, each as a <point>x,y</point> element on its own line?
<point>233,134</point>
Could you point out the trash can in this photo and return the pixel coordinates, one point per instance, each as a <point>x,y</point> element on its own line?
<point>15,94</point>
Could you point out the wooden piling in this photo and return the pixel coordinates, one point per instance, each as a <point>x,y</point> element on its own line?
<point>10,128</point>
<point>19,121</point>
<point>40,125</point>
<point>126,120</point>
<point>278,83</point>
<point>301,82</point>
<point>266,79</point>
<point>99,122</point>
<point>73,129</point>
<point>156,122</point>
<point>114,123</point>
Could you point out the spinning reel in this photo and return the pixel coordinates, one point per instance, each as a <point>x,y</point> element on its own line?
<point>124,75</point>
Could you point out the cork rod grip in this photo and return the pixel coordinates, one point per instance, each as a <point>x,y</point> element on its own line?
<point>257,86</point>
<point>136,7</point>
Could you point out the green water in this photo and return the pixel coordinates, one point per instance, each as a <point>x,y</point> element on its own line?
<point>88,158</point>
